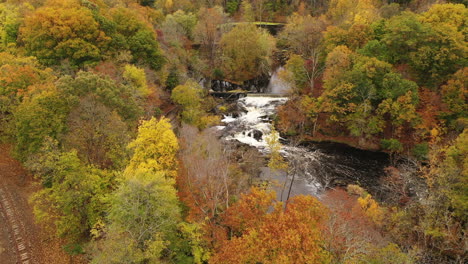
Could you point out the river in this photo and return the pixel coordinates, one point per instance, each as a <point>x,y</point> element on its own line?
<point>315,166</point>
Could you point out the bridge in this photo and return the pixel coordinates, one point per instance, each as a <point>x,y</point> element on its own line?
<point>272,27</point>
<point>266,95</point>
<point>234,95</point>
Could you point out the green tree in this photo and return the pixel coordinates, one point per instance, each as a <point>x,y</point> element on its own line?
<point>189,97</point>
<point>19,77</point>
<point>359,90</point>
<point>116,97</point>
<point>42,164</point>
<point>193,234</point>
<point>144,211</point>
<point>401,110</point>
<point>452,180</point>
<point>186,22</point>
<point>455,94</point>
<point>43,115</point>
<point>377,49</point>
<point>76,198</point>
<point>303,35</point>
<point>394,86</point>
<point>392,145</point>
<point>390,254</point>
<point>246,52</point>
<point>421,151</point>
<point>10,20</point>
<point>130,33</point>
<point>172,79</point>
<point>433,44</point>
<point>405,34</point>
<point>363,121</point>
<point>438,223</point>
<point>143,215</point>
<point>302,73</point>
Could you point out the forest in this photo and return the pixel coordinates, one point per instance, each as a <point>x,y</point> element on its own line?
<point>109,107</point>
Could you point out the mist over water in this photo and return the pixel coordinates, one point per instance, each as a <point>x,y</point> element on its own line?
<point>278,85</point>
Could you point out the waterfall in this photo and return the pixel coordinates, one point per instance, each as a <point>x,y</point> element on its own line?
<point>253,125</point>
<point>278,85</point>
<point>316,166</point>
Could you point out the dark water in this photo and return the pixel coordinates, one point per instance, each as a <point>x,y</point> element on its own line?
<point>318,166</point>
<point>315,166</point>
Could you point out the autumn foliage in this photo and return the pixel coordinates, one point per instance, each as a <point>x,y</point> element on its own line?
<point>109,104</point>
<point>264,231</point>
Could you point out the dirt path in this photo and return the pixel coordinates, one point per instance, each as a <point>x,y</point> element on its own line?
<point>21,239</point>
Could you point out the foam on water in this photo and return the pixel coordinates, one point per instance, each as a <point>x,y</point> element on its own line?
<point>254,120</point>
<point>314,167</point>
<point>253,126</point>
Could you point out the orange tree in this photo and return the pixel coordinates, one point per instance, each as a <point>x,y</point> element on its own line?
<point>284,235</point>
<point>58,32</point>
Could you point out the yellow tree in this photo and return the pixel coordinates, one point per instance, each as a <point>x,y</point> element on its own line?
<point>194,106</point>
<point>348,12</point>
<point>276,161</point>
<point>144,211</point>
<point>19,76</point>
<point>137,78</point>
<point>455,94</point>
<point>155,148</point>
<point>354,38</point>
<point>11,16</point>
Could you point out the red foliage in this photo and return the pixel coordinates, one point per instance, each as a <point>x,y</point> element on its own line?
<point>108,68</point>
<point>429,108</point>
<point>292,118</point>
<point>318,86</point>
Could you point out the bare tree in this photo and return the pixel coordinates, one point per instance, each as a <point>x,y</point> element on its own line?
<point>304,36</point>
<point>99,135</point>
<point>206,174</point>
<point>207,31</point>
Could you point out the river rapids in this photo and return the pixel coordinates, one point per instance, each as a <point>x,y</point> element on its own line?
<point>314,166</point>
